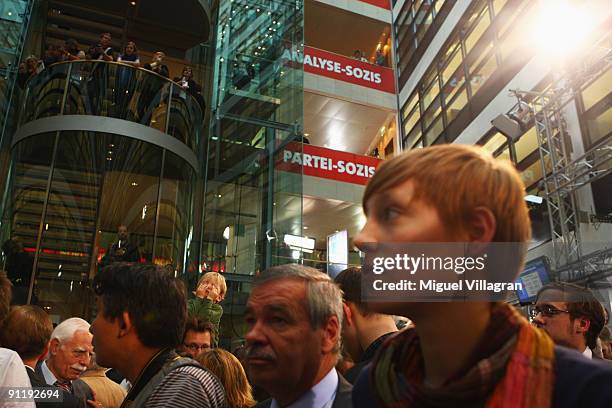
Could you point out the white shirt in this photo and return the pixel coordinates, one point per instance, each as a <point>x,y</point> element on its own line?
<point>588,353</point>
<point>322,395</point>
<point>50,379</point>
<point>13,374</point>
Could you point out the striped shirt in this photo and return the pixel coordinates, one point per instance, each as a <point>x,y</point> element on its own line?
<point>188,387</point>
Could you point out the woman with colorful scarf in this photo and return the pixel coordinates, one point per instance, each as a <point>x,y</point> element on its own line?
<point>464,354</point>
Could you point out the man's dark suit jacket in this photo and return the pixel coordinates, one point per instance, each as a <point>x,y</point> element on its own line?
<point>38,381</point>
<point>343,397</point>
<point>81,391</point>
<point>131,254</point>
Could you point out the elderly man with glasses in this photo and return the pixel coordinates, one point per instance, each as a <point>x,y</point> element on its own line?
<point>571,315</point>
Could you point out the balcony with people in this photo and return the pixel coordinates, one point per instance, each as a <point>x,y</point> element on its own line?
<point>348,55</point>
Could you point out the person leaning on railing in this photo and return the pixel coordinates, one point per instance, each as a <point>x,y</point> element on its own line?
<point>130,55</point>
<point>102,51</point>
<point>157,65</point>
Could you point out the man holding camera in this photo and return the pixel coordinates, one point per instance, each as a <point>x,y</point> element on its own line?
<point>103,50</point>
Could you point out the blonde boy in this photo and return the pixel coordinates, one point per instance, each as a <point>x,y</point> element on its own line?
<point>205,306</point>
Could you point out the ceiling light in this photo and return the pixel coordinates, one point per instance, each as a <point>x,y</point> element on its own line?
<point>133,3</point>
<point>134,184</point>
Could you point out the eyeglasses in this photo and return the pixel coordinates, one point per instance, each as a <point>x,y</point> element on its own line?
<point>547,311</point>
<point>196,347</point>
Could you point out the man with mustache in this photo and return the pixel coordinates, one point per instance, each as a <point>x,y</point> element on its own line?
<point>70,351</point>
<point>294,319</point>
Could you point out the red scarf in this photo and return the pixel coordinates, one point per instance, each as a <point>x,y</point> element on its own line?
<point>512,367</point>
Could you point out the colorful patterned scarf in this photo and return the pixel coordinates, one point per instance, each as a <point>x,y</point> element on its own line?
<point>512,367</point>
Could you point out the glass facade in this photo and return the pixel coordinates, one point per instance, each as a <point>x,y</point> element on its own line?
<point>257,99</point>
<point>14,18</point>
<point>596,119</point>
<point>197,179</point>
<point>596,109</point>
<point>415,19</point>
<point>478,47</point>
<point>66,207</point>
<point>69,190</point>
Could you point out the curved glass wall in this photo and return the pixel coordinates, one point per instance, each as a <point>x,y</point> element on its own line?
<point>115,90</point>
<point>70,191</point>
<point>14,22</point>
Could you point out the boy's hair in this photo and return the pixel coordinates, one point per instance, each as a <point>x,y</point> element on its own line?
<point>215,277</point>
<point>27,330</point>
<point>455,179</point>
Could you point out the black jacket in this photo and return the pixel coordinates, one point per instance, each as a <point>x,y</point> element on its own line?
<point>131,254</point>
<point>160,69</point>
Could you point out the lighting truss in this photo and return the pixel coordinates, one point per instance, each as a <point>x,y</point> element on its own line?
<point>563,175</point>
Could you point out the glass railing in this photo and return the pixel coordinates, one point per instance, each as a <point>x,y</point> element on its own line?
<point>115,90</point>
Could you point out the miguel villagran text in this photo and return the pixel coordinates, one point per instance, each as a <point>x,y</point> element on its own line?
<point>432,285</point>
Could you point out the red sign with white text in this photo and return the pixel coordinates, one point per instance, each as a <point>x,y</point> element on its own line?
<point>327,163</point>
<point>347,69</point>
<point>379,3</point>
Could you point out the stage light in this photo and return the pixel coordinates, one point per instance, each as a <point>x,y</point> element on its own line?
<point>530,198</point>
<point>514,123</point>
<point>507,126</point>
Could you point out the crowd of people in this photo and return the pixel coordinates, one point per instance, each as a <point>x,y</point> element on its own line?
<point>103,51</point>
<point>313,341</point>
